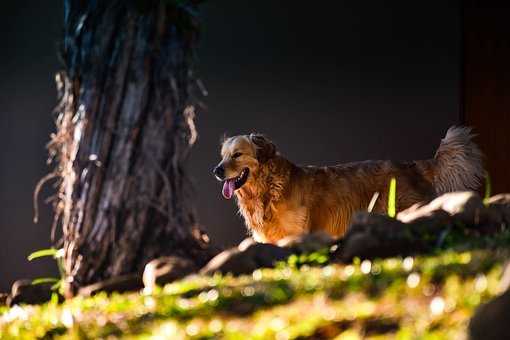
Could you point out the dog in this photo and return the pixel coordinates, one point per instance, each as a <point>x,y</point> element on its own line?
<point>279,199</point>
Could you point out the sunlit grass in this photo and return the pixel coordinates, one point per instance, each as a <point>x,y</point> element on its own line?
<point>307,296</point>
<point>420,296</point>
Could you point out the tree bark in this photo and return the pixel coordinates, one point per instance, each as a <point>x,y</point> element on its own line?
<point>124,130</point>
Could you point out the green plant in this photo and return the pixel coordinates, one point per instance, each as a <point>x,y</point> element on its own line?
<point>488,188</point>
<point>392,198</point>
<point>58,256</point>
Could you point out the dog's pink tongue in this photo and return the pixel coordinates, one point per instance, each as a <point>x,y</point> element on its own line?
<point>228,188</point>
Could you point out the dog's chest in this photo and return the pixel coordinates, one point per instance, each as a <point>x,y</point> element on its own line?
<point>274,222</point>
<point>253,214</point>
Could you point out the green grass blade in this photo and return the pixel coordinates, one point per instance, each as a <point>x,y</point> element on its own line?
<point>488,188</point>
<point>43,280</point>
<point>392,198</point>
<point>57,285</point>
<point>42,253</point>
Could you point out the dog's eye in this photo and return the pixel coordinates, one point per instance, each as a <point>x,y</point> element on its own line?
<point>236,155</point>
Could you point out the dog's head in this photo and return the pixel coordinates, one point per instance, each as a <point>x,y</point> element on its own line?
<point>242,157</point>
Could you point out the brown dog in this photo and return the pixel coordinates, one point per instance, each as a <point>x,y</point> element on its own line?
<point>279,199</point>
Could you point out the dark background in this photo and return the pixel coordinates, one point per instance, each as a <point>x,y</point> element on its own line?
<point>327,81</point>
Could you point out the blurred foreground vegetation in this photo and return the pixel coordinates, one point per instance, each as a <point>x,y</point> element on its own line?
<point>431,297</point>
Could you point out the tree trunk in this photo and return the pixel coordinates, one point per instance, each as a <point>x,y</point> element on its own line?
<point>124,129</point>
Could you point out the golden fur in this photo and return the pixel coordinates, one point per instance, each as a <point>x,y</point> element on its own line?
<point>280,199</point>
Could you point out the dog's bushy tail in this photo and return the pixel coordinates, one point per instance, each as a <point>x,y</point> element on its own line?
<point>458,162</point>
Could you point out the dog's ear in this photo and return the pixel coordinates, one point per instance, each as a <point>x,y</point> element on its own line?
<point>265,148</point>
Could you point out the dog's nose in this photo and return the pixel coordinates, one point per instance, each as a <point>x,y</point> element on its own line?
<point>219,172</point>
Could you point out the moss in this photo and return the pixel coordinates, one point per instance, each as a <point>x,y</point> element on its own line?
<point>428,296</point>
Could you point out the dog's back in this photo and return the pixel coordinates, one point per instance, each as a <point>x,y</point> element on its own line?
<point>346,188</point>
<point>339,191</point>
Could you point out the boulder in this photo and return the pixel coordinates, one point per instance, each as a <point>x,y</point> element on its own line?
<point>166,269</point>
<point>3,299</point>
<point>229,261</point>
<point>24,292</point>
<point>157,272</point>
<point>119,284</point>
<point>464,206</point>
<point>504,283</point>
<point>373,235</point>
<point>307,243</point>
<point>245,258</point>
<point>489,320</point>
<point>500,199</point>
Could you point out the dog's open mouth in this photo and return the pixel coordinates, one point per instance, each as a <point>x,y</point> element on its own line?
<point>232,184</point>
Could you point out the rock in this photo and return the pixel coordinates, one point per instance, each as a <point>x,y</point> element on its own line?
<point>24,292</point>
<point>266,255</point>
<point>3,299</point>
<point>307,243</point>
<point>373,222</point>
<point>466,210</point>
<point>501,199</point>
<point>489,321</point>
<point>229,261</point>
<point>246,243</point>
<point>165,270</point>
<point>245,258</point>
<point>119,284</point>
<point>497,212</point>
<point>423,227</point>
<point>504,283</point>
<point>465,206</point>
<point>414,212</point>
<point>492,219</point>
<point>362,245</point>
<point>158,271</point>
<point>457,202</point>
<point>430,227</point>
<point>373,235</point>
